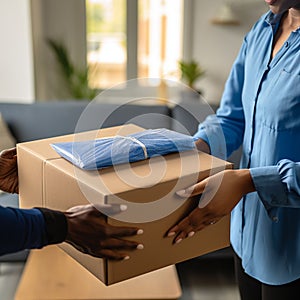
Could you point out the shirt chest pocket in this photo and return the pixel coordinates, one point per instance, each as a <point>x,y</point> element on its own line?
<point>280,105</point>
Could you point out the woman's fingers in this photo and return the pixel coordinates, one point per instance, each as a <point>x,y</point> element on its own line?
<point>193,190</point>
<point>182,230</point>
<point>197,220</point>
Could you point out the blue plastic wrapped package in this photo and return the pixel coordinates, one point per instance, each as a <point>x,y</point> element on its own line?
<point>105,152</point>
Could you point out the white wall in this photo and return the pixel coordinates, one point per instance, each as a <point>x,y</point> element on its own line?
<point>214,46</point>
<point>16,61</point>
<point>63,21</point>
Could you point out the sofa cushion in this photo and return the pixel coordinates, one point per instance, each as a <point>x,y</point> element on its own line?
<point>46,119</point>
<point>6,138</point>
<point>187,116</point>
<point>107,115</point>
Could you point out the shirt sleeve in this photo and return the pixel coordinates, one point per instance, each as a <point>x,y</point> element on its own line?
<point>224,131</point>
<point>278,186</point>
<point>56,225</point>
<point>30,228</point>
<point>21,229</point>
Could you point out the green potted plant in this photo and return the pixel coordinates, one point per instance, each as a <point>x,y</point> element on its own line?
<point>191,72</point>
<point>77,80</point>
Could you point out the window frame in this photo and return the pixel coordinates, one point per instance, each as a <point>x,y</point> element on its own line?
<point>132,35</point>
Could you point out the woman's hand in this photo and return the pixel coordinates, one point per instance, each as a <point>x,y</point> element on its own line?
<point>89,232</point>
<point>220,194</point>
<point>9,171</point>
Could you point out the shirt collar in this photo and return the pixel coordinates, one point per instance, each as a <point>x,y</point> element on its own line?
<point>273,20</point>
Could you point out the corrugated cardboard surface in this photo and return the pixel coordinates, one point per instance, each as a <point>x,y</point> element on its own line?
<point>45,179</point>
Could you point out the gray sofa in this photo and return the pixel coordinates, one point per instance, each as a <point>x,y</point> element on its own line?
<point>45,119</point>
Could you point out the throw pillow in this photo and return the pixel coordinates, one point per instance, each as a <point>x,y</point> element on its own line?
<point>6,138</point>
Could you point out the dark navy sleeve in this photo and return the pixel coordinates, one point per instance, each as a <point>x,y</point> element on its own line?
<point>56,225</point>
<point>21,229</point>
<point>30,228</point>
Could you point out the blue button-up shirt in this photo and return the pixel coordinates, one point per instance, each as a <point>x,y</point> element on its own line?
<point>260,109</point>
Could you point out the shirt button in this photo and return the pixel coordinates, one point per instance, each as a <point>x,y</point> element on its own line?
<point>275,219</point>
<point>286,44</point>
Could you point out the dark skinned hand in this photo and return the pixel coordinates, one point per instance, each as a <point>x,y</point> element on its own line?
<point>89,232</point>
<point>220,194</point>
<point>87,227</point>
<point>9,171</point>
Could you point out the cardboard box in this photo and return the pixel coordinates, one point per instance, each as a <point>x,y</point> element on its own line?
<point>148,187</point>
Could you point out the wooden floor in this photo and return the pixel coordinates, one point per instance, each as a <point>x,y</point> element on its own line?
<point>201,279</point>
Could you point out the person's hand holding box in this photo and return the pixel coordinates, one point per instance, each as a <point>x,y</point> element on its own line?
<point>84,227</point>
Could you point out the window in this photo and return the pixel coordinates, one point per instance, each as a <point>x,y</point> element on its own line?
<point>133,38</point>
<point>106,42</point>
